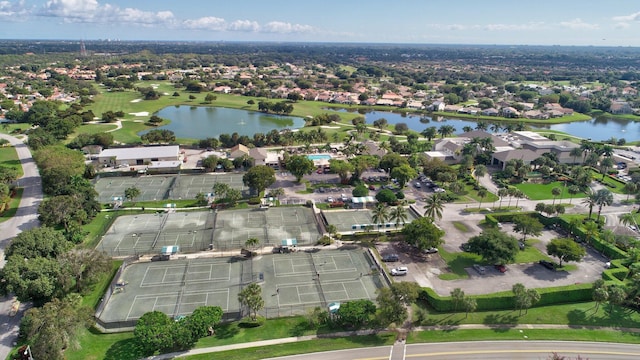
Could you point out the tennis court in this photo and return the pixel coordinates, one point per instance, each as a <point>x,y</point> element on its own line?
<point>151,187</point>
<point>294,282</point>
<point>148,233</point>
<point>174,287</point>
<point>234,227</point>
<point>188,186</point>
<point>357,220</point>
<point>163,187</point>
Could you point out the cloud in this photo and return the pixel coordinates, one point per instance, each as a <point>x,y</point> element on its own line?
<point>244,25</point>
<point>205,23</point>
<point>286,28</point>
<point>627,18</point>
<point>514,27</point>
<point>91,11</point>
<point>13,10</point>
<point>578,24</point>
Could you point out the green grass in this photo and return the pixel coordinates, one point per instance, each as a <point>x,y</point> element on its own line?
<point>457,262</point>
<point>9,158</point>
<point>13,206</point>
<point>517,334</point>
<point>460,226</point>
<point>530,253</point>
<point>615,186</point>
<point>301,347</point>
<point>543,191</point>
<point>575,314</point>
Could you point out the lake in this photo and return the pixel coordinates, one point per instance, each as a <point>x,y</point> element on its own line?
<point>602,128</point>
<point>201,122</point>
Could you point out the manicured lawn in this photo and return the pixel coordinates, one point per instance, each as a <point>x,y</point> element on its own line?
<point>9,158</point>
<point>527,334</point>
<point>543,191</point>
<point>576,314</point>
<point>615,186</point>
<point>457,262</point>
<point>301,347</point>
<point>13,206</point>
<point>460,226</point>
<point>530,253</point>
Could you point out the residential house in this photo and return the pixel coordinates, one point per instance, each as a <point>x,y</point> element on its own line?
<point>490,112</point>
<point>238,151</point>
<point>259,156</point>
<point>620,107</point>
<point>510,112</point>
<point>437,106</point>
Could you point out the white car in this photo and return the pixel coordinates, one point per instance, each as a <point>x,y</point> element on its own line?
<point>399,271</point>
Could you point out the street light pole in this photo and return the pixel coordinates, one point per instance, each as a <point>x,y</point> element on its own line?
<point>27,352</point>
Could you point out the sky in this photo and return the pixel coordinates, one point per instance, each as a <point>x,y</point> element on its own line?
<point>502,22</point>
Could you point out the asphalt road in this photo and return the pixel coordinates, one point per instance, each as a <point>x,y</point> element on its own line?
<point>480,350</point>
<point>26,218</point>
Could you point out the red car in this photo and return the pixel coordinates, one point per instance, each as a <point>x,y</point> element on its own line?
<point>320,171</point>
<point>501,268</point>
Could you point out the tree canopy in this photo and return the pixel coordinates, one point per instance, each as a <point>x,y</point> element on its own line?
<point>495,246</point>
<point>259,178</point>
<point>565,250</point>
<point>423,234</point>
<point>299,165</point>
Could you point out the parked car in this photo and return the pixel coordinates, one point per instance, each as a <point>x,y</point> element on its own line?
<point>399,271</point>
<point>501,268</point>
<point>371,187</point>
<point>417,185</point>
<point>479,268</point>
<point>431,250</point>
<point>465,247</point>
<point>548,264</point>
<point>329,199</point>
<point>521,245</point>
<point>390,258</point>
<point>439,190</point>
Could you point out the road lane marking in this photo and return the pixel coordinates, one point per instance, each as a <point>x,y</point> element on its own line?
<point>471,352</point>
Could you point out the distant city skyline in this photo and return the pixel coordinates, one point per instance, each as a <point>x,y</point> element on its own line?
<point>567,22</point>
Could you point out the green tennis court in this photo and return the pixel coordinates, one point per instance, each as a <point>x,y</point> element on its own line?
<point>291,283</point>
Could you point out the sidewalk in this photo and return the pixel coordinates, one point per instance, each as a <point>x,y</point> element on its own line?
<point>247,345</point>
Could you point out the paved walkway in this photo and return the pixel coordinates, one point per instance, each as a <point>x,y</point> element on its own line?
<point>398,347</point>
<point>25,218</point>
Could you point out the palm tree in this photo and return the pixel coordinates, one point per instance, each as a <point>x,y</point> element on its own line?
<point>630,188</point>
<point>380,214</point>
<point>480,171</point>
<point>502,192</point>
<point>605,165</point>
<point>511,192</point>
<point>556,191</point>
<point>482,192</point>
<point>573,189</point>
<point>434,207</point>
<point>495,127</point>
<point>590,201</point>
<point>446,130</point>
<point>628,219</point>
<point>398,215</point>
<point>590,230</point>
<point>603,197</point>
<point>429,133</point>
<point>481,125</point>
<point>575,152</point>
<point>518,194</point>
<point>251,244</point>
<point>467,128</point>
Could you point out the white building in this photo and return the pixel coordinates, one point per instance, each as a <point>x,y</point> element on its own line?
<point>139,155</point>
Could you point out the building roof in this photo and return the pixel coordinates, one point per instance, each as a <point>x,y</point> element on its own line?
<point>258,153</point>
<point>149,152</point>
<point>522,154</point>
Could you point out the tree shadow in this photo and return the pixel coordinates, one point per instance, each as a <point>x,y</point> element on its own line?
<point>299,329</point>
<point>127,349</point>
<point>501,322</point>
<point>226,331</point>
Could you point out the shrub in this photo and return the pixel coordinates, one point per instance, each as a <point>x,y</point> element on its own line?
<point>325,240</point>
<point>254,201</point>
<point>360,191</point>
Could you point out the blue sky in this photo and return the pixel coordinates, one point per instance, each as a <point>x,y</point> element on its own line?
<point>510,22</point>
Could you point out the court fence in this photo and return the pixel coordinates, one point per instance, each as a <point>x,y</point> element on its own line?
<point>115,285</point>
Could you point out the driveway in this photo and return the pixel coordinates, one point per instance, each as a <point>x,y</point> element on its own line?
<point>25,218</point>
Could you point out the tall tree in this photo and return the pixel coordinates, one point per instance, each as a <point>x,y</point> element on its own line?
<point>527,225</point>
<point>482,192</point>
<point>55,327</point>
<point>590,201</point>
<point>131,193</point>
<point>398,215</point>
<point>259,178</point>
<point>404,174</point>
<point>251,297</point>
<point>84,266</point>
<point>556,191</point>
<point>380,215</point>
<point>603,197</point>
<point>524,298</point>
<point>573,190</point>
<point>434,206</point>
<point>457,296</point>
<point>423,234</point>
<point>299,165</point>
<point>565,250</point>
<point>494,246</point>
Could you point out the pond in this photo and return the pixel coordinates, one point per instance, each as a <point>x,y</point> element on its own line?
<point>201,122</point>
<point>601,128</point>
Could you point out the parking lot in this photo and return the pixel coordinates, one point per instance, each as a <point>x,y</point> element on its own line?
<point>425,269</point>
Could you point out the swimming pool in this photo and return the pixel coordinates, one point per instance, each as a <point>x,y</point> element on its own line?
<point>319,157</point>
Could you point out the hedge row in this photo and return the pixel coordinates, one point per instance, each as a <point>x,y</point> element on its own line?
<point>505,300</point>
